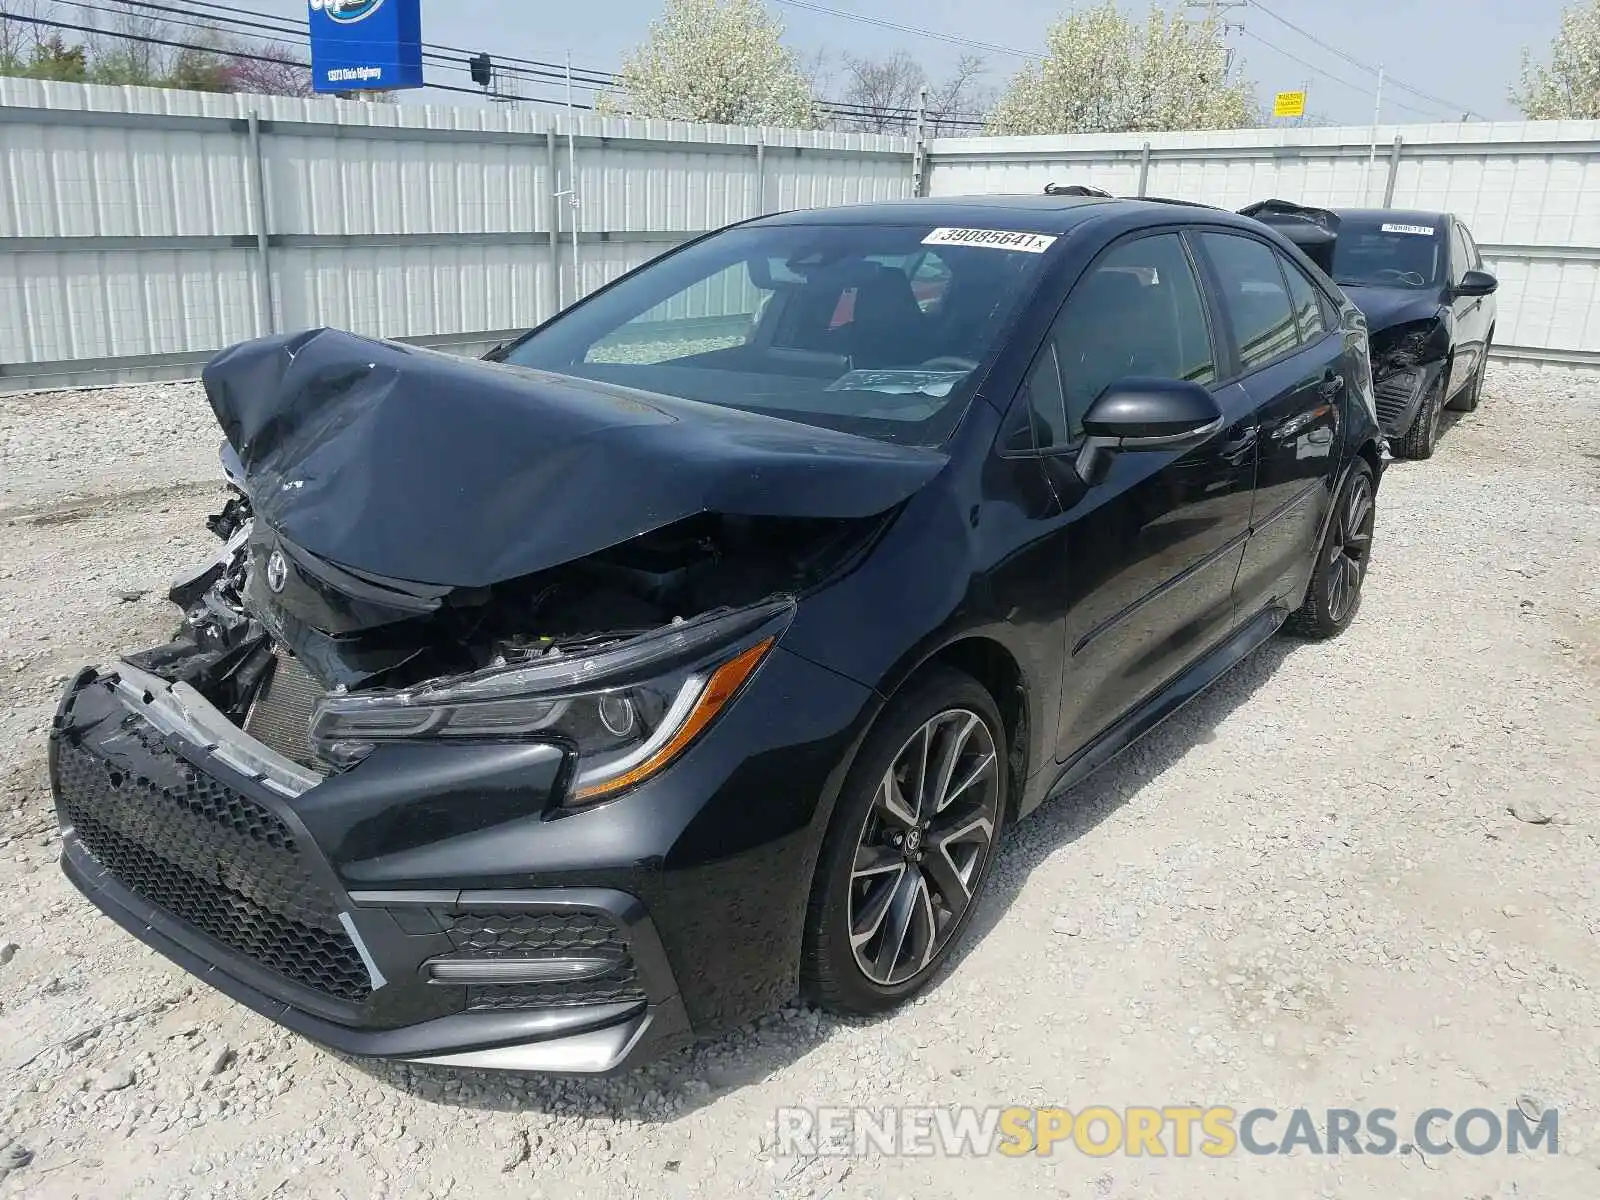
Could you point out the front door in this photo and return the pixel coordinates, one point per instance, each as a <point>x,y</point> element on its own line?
<point>1151,547</point>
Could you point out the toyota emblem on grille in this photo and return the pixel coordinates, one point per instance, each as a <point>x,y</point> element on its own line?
<point>277,571</point>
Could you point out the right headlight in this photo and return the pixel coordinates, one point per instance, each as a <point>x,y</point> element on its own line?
<point>626,710</point>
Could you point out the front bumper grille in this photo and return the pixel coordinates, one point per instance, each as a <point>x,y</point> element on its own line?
<point>1396,396</point>
<point>211,857</point>
<point>532,935</point>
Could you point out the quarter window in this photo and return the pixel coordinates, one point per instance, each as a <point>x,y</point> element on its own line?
<point>1136,312</point>
<point>1255,297</point>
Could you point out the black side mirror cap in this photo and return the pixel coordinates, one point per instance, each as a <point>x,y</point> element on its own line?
<point>1477,283</point>
<point>1147,414</point>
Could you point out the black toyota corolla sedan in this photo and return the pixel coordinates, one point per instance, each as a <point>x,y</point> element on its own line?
<point>1430,307</point>
<point>697,651</point>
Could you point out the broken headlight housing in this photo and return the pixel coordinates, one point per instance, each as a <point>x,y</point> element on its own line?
<point>626,710</point>
<point>1402,347</point>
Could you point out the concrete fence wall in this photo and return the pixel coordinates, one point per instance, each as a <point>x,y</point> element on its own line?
<point>1530,193</point>
<point>141,230</point>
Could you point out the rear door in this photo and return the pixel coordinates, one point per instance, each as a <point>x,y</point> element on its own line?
<point>1291,361</point>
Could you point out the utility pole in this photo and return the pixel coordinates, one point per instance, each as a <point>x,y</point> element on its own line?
<point>1216,12</point>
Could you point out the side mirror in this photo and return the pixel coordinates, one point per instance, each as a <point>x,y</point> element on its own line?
<point>1146,414</point>
<point>1477,283</point>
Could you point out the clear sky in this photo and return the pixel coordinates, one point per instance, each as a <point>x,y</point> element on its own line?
<point>1464,52</point>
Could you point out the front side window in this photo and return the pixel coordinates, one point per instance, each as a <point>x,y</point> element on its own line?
<point>1307,302</point>
<point>1136,311</point>
<point>1255,297</point>
<point>868,329</point>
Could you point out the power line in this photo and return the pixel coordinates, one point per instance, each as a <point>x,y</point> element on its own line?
<point>1356,62</point>
<point>915,30</point>
<point>1310,66</point>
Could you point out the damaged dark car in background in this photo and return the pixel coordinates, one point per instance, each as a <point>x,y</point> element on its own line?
<point>543,713</point>
<point>1430,306</point>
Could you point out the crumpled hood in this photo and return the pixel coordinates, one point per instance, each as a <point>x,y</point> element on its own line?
<point>1385,308</point>
<point>423,466</point>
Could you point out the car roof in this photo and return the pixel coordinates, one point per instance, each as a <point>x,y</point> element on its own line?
<point>1030,213</point>
<point>1398,215</point>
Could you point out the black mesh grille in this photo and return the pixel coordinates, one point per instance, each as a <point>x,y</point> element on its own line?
<point>549,934</point>
<point>521,934</point>
<point>1393,394</point>
<point>211,857</point>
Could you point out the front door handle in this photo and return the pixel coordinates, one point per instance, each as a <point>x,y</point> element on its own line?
<point>1332,384</point>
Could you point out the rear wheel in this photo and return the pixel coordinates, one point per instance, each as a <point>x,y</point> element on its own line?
<point>1341,568</point>
<point>909,848</point>
<point>1419,440</point>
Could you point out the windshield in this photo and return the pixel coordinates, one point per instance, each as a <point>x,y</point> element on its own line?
<point>1392,254</point>
<point>876,330</point>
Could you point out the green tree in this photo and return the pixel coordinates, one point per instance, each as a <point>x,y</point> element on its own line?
<point>1105,72</point>
<point>1569,88</point>
<point>721,61</point>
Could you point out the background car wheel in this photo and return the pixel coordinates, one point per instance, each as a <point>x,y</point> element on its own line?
<point>1423,435</point>
<point>1335,592</point>
<point>909,847</point>
<point>1467,401</point>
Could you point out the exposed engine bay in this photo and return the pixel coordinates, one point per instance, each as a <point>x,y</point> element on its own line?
<point>233,639</point>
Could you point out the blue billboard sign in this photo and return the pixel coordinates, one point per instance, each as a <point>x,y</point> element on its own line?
<point>366,45</point>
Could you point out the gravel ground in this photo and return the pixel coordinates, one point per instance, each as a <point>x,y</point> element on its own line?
<point>1359,874</point>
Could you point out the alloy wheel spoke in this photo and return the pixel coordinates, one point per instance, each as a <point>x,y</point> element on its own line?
<point>869,919</point>
<point>892,802</point>
<point>952,875</point>
<point>948,758</point>
<point>983,768</point>
<point>902,908</point>
<point>875,860</point>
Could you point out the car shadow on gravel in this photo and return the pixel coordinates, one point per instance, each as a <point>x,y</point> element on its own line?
<point>697,1075</point>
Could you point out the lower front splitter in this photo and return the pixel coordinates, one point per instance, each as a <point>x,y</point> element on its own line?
<point>575,1039</point>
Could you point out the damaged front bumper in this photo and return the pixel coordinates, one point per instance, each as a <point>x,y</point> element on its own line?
<point>428,905</point>
<point>1399,393</point>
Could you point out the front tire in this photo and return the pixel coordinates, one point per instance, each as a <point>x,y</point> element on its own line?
<point>1467,401</point>
<point>909,847</point>
<point>1420,440</point>
<point>1341,567</point>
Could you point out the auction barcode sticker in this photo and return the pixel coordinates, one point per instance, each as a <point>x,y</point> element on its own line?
<point>995,239</point>
<point>1423,230</point>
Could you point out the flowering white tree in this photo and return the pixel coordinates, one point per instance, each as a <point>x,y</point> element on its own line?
<point>721,61</point>
<point>1569,88</point>
<point>1104,72</point>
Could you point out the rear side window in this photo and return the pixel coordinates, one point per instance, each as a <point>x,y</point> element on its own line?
<point>1254,296</point>
<point>1307,304</point>
<point>1136,311</point>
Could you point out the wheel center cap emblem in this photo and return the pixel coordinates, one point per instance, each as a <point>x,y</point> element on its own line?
<point>277,571</point>
<point>913,841</point>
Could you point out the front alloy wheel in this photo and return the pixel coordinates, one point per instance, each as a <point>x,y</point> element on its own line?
<point>908,848</point>
<point>926,835</point>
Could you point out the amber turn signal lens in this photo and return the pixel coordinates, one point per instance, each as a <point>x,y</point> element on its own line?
<point>724,683</point>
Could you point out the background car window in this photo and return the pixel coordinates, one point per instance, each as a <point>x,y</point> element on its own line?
<point>1254,295</point>
<point>1474,258</point>
<point>1136,312</point>
<point>1307,303</point>
<point>1460,260</point>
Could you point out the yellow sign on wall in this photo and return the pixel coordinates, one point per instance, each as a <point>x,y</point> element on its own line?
<point>1289,104</point>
